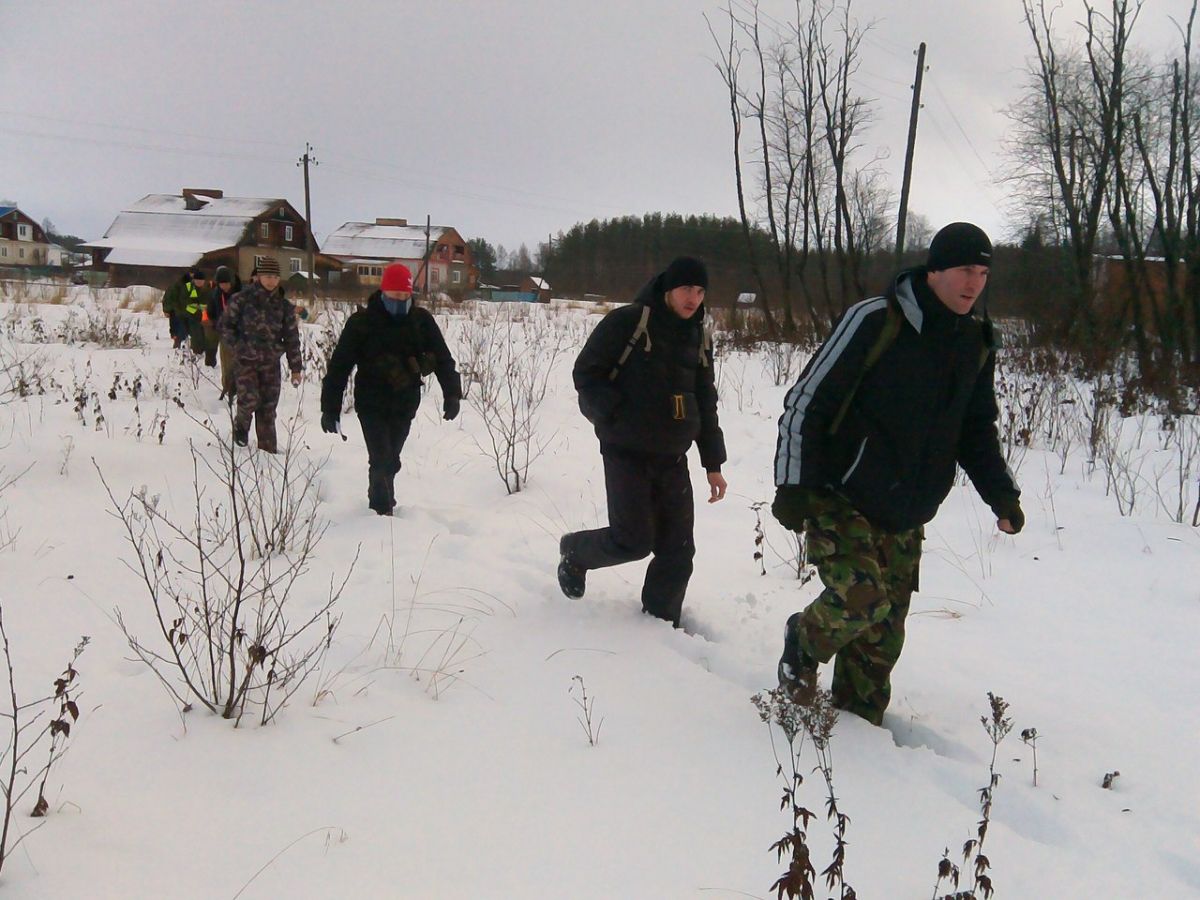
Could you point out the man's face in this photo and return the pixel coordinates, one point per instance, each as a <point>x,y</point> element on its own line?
<point>397,295</point>
<point>960,287</point>
<point>685,300</point>
<point>199,283</point>
<point>269,282</point>
<point>225,285</point>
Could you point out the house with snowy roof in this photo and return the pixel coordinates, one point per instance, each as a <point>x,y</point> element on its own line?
<point>23,242</point>
<point>157,237</point>
<point>441,261</point>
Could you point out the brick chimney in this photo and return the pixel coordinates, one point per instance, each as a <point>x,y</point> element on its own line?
<point>391,222</point>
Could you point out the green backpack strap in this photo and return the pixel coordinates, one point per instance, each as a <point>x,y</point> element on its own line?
<point>887,336</point>
<point>640,330</point>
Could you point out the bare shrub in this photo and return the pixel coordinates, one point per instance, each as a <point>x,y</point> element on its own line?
<point>228,586</point>
<point>507,364</point>
<point>38,731</point>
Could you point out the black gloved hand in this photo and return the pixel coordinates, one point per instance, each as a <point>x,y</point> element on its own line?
<point>329,423</point>
<point>1015,515</point>
<point>450,408</point>
<point>792,506</point>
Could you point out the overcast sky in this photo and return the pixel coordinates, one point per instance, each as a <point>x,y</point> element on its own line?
<point>507,119</point>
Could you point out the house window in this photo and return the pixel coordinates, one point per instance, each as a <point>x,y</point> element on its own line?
<point>23,233</point>
<point>377,271</point>
<point>22,253</point>
<point>3,251</point>
<point>294,264</point>
<point>287,233</point>
<point>456,276</point>
<point>458,250</point>
<point>437,276</point>
<point>264,230</point>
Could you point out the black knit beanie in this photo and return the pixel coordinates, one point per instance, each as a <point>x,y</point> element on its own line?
<point>959,244</point>
<point>223,276</point>
<point>685,270</point>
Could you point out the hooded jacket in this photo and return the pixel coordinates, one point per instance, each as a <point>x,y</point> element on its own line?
<point>926,405</point>
<point>663,398</point>
<point>391,353</point>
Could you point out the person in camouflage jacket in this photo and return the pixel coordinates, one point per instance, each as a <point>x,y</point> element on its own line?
<point>871,434</point>
<point>392,343</point>
<point>260,326</point>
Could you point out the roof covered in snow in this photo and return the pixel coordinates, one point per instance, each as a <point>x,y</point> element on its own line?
<point>366,240</point>
<point>159,230</point>
<point>540,283</point>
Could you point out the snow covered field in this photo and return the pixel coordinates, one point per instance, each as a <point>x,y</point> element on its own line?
<point>439,753</point>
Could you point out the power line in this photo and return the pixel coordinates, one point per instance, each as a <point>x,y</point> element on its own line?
<point>156,131</point>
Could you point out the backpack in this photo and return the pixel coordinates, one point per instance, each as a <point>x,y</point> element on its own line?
<point>642,328</point>
<point>887,337</point>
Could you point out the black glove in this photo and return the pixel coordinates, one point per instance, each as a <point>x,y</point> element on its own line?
<point>329,423</point>
<point>450,407</point>
<point>1013,512</point>
<point>792,506</point>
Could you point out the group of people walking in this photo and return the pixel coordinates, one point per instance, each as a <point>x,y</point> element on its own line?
<point>900,394</point>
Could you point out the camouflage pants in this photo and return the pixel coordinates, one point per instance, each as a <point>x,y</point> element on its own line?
<point>258,383</point>
<point>869,576</point>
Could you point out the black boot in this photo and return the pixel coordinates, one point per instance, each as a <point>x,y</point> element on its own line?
<point>797,670</point>
<point>572,579</point>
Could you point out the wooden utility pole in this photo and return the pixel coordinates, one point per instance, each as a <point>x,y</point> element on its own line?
<point>902,218</point>
<point>428,220</point>
<point>305,161</point>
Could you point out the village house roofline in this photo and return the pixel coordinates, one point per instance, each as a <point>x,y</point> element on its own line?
<point>370,240</point>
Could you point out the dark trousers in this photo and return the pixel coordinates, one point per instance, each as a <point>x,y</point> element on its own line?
<point>179,328</point>
<point>649,511</point>
<point>384,434</point>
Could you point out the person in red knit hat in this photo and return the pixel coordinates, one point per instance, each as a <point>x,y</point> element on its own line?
<point>394,345</point>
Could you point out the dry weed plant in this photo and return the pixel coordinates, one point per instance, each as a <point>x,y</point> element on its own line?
<point>586,705</point>
<point>37,734</point>
<point>812,718</point>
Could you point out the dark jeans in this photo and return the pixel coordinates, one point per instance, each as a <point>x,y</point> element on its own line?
<point>385,434</point>
<point>179,328</point>
<point>649,511</point>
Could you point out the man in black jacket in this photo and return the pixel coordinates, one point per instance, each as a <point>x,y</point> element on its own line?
<point>228,284</point>
<point>645,381</point>
<point>393,343</point>
<point>869,439</point>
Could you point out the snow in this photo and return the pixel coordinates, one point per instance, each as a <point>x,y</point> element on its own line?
<point>482,783</point>
<point>374,242</point>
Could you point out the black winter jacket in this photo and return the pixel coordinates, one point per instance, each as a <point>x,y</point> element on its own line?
<point>925,405</point>
<point>663,398</point>
<point>218,300</point>
<point>391,354</point>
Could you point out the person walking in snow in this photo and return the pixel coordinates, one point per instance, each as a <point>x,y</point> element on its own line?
<point>228,284</point>
<point>260,326</point>
<point>394,344</point>
<point>900,393</point>
<point>204,337</point>
<point>187,290</point>
<point>645,381</point>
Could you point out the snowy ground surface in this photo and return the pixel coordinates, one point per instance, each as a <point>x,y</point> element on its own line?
<point>453,764</point>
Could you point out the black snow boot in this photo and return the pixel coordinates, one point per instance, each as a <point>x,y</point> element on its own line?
<point>797,670</point>
<point>571,578</point>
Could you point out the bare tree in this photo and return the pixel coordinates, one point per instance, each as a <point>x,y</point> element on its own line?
<point>1066,137</point>
<point>814,200</point>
